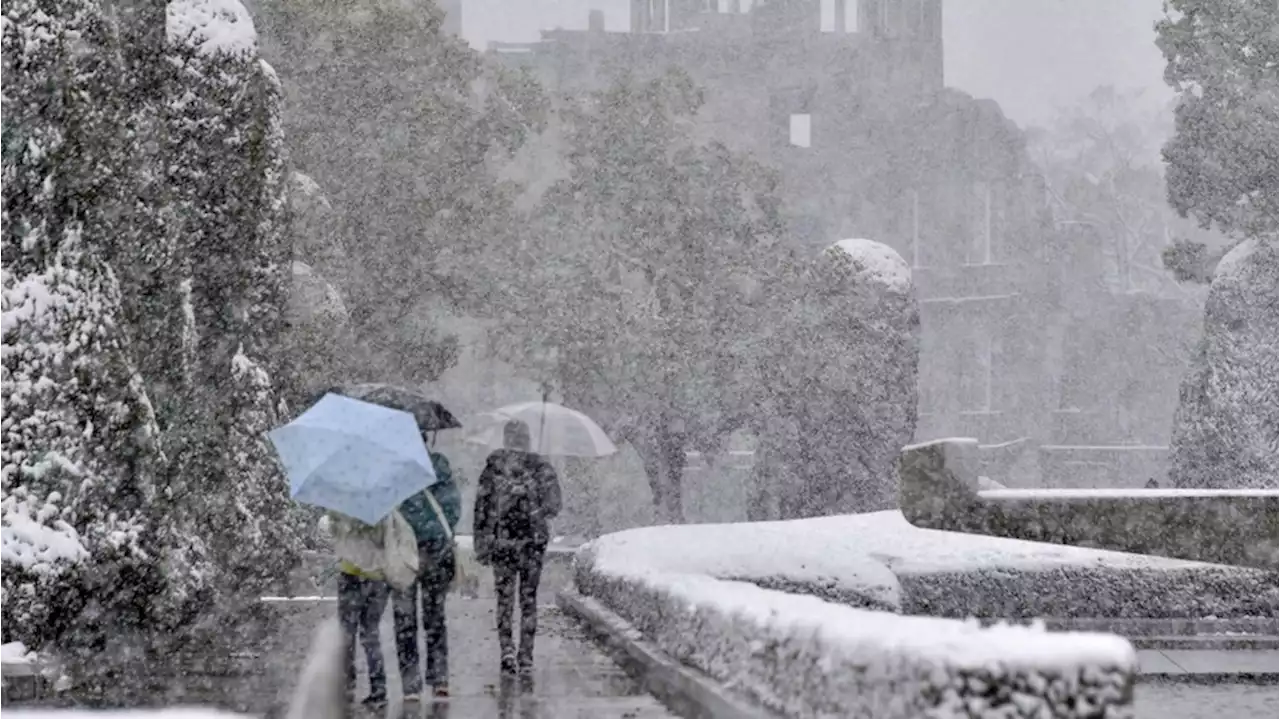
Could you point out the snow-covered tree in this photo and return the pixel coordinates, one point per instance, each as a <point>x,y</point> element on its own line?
<point>400,124</point>
<point>87,551</point>
<point>1222,61</point>
<point>227,180</point>
<point>1222,170</point>
<point>636,275</point>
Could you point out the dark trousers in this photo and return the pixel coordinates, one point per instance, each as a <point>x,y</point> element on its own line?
<point>518,570</point>
<point>433,584</point>
<point>361,603</point>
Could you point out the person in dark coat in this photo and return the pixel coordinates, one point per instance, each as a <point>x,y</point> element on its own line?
<point>437,565</point>
<point>516,496</point>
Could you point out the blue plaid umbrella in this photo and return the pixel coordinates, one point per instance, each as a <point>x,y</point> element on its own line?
<point>353,457</point>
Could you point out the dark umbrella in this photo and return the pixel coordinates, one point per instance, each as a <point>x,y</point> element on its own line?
<point>430,414</point>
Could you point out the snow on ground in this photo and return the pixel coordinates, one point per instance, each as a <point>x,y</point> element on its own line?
<point>878,261</point>
<point>212,26</point>
<point>1124,493</point>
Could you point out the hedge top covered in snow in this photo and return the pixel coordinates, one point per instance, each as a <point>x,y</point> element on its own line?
<point>877,261</point>
<point>212,26</point>
<point>861,553</point>
<point>694,563</point>
<point>793,551</point>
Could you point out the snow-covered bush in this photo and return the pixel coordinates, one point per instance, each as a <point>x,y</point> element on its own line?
<point>85,537</point>
<point>802,656</point>
<point>227,172</point>
<point>79,454</point>
<point>1224,434</point>
<point>840,384</point>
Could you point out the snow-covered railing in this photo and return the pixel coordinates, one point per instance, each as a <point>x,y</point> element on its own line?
<point>709,596</point>
<point>940,490</point>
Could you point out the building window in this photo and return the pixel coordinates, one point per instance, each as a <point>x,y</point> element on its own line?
<point>800,130</point>
<point>838,15</point>
<point>850,15</point>
<point>827,15</point>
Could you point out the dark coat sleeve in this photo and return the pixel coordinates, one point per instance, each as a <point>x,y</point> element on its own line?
<point>483,525</point>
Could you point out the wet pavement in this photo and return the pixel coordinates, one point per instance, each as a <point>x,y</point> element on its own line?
<point>573,677</point>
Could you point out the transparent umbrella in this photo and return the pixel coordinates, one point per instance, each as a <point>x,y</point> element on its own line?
<point>554,430</point>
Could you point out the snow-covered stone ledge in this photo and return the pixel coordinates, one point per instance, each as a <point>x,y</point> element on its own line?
<point>695,592</point>
<point>941,490</point>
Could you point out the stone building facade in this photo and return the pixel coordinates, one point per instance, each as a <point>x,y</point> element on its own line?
<point>1065,381</point>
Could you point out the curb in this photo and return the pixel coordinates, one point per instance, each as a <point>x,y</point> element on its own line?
<point>1261,679</point>
<point>684,690</point>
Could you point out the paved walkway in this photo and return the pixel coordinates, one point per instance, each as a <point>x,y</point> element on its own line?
<point>573,677</point>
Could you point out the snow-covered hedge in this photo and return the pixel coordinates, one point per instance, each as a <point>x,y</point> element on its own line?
<point>952,574</point>
<point>695,592</point>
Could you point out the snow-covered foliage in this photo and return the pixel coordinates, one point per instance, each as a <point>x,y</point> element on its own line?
<point>630,287</point>
<point>231,191</point>
<point>80,444</point>
<point>212,26</point>
<point>873,262</point>
<point>1222,61</point>
<point>879,560</point>
<point>398,123</point>
<point>1225,429</point>
<point>81,452</point>
<point>802,656</point>
<point>838,354</point>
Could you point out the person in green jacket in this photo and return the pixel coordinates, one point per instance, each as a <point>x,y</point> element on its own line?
<point>436,568</point>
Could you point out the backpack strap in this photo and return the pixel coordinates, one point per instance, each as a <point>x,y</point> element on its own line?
<point>439,512</point>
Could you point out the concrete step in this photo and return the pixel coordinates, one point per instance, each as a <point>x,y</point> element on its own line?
<point>1209,642</point>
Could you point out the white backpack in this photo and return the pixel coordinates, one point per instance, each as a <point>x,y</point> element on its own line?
<point>400,552</point>
<point>389,551</point>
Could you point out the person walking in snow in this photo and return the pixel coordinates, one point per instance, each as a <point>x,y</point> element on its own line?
<point>516,496</point>
<point>362,598</point>
<point>433,513</point>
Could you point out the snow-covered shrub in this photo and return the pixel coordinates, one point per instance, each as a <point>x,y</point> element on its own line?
<point>843,375</point>
<point>802,656</point>
<point>227,173</point>
<point>953,574</point>
<point>1172,592</point>
<point>86,538</point>
<point>79,455</point>
<point>1224,433</point>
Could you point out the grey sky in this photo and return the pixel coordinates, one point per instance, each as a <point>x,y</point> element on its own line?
<point>1032,56</point>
